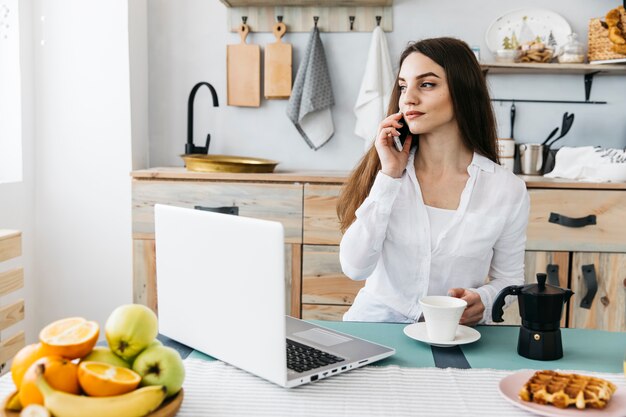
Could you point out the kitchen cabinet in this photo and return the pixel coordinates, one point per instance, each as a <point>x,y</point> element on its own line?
<point>305,202</point>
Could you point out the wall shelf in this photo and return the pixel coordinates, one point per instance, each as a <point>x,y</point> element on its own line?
<point>587,70</point>
<point>497,68</point>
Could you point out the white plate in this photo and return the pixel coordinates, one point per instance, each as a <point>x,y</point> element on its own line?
<point>540,21</point>
<point>511,385</point>
<point>463,335</point>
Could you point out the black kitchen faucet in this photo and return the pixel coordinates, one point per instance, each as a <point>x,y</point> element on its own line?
<point>190,148</point>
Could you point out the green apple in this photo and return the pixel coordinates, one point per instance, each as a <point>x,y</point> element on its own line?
<point>155,342</point>
<point>160,365</point>
<point>130,329</point>
<point>104,354</point>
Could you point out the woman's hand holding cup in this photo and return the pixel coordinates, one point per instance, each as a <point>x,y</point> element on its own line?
<point>392,162</point>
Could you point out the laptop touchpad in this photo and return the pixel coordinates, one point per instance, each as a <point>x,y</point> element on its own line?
<point>322,337</point>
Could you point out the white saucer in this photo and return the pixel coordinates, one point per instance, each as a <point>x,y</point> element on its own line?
<point>464,335</point>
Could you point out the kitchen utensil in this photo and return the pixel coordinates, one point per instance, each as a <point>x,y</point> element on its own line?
<point>540,307</point>
<point>550,135</point>
<point>539,21</point>
<point>277,81</point>
<point>512,119</point>
<point>243,63</point>
<point>568,120</point>
<point>549,154</point>
<point>531,158</point>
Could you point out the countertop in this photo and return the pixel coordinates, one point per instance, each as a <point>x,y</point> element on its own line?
<point>336,177</point>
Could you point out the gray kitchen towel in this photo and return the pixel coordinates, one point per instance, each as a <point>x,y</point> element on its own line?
<point>312,96</point>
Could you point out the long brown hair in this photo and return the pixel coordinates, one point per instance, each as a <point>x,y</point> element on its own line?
<point>472,111</point>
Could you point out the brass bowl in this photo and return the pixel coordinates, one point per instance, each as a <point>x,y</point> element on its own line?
<point>227,163</point>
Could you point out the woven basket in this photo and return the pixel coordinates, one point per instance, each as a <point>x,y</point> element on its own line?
<point>599,48</point>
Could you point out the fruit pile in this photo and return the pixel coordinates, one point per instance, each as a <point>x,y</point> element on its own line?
<point>66,375</point>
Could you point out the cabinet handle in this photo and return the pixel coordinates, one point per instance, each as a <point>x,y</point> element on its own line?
<point>589,274</point>
<point>225,210</point>
<point>572,222</point>
<point>553,275</point>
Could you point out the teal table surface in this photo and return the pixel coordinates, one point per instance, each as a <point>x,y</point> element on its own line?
<point>584,350</point>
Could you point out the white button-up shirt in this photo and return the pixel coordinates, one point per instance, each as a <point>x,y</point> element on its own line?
<point>389,245</point>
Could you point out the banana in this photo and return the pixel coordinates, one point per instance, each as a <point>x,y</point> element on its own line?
<point>13,402</point>
<point>35,410</point>
<point>136,403</point>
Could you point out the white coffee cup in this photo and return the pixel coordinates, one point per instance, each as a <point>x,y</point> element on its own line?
<point>442,314</point>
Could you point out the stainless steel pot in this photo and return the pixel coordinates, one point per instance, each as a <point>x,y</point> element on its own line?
<point>531,158</point>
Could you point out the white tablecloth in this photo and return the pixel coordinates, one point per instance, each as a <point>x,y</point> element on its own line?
<point>217,389</point>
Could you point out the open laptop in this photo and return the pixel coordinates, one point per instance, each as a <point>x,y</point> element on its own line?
<point>221,291</point>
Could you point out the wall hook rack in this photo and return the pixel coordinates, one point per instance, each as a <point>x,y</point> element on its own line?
<point>315,20</point>
<point>336,19</point>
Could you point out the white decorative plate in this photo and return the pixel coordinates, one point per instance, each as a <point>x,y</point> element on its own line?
<point>540,22</point>
<point>511,385</point>
<point>464,335</point>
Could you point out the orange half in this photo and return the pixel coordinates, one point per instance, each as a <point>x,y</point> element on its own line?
<point>99,379</point>
<point>71,338</point>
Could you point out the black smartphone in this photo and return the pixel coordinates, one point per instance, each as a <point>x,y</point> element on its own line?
<point>404,131</point>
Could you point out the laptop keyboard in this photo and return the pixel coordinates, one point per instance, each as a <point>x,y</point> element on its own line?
<point>301,358</point>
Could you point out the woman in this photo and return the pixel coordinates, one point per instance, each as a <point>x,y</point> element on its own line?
<point>442,216</point>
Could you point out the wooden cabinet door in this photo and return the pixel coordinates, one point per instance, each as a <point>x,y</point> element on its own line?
<point>607,309</point>
<point>535,262</point>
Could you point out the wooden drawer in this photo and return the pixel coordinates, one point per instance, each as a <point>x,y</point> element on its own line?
<point>278,202</point>
<point>321,225</point>
<point>322,279</point>
<point>607,235</point>
<point>323,312</point>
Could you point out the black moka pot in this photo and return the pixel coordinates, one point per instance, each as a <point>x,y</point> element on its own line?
<point>540,306</point>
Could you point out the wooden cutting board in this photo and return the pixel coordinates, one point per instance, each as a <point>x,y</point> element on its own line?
<point>243,62</point>
<point>277,83</point>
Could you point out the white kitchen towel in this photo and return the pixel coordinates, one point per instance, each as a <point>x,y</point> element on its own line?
<point>312,96</point>
<point>589,163</point>
<point>376,86</point>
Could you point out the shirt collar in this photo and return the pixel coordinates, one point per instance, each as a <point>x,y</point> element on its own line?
<point>483,163</point>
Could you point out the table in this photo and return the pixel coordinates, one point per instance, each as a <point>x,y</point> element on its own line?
<point>405,384</point>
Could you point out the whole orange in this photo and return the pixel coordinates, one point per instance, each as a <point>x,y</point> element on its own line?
<point>61,374</point>
<point>23,360</point>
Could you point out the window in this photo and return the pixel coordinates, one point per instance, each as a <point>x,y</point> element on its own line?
<point>10,94</point>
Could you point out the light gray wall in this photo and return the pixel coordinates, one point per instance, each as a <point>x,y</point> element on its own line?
<point>187,44</point>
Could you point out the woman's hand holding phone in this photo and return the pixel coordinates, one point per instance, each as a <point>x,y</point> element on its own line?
<point>391,145</point>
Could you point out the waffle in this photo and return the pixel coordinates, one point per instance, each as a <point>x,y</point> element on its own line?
<point>563,390</point>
